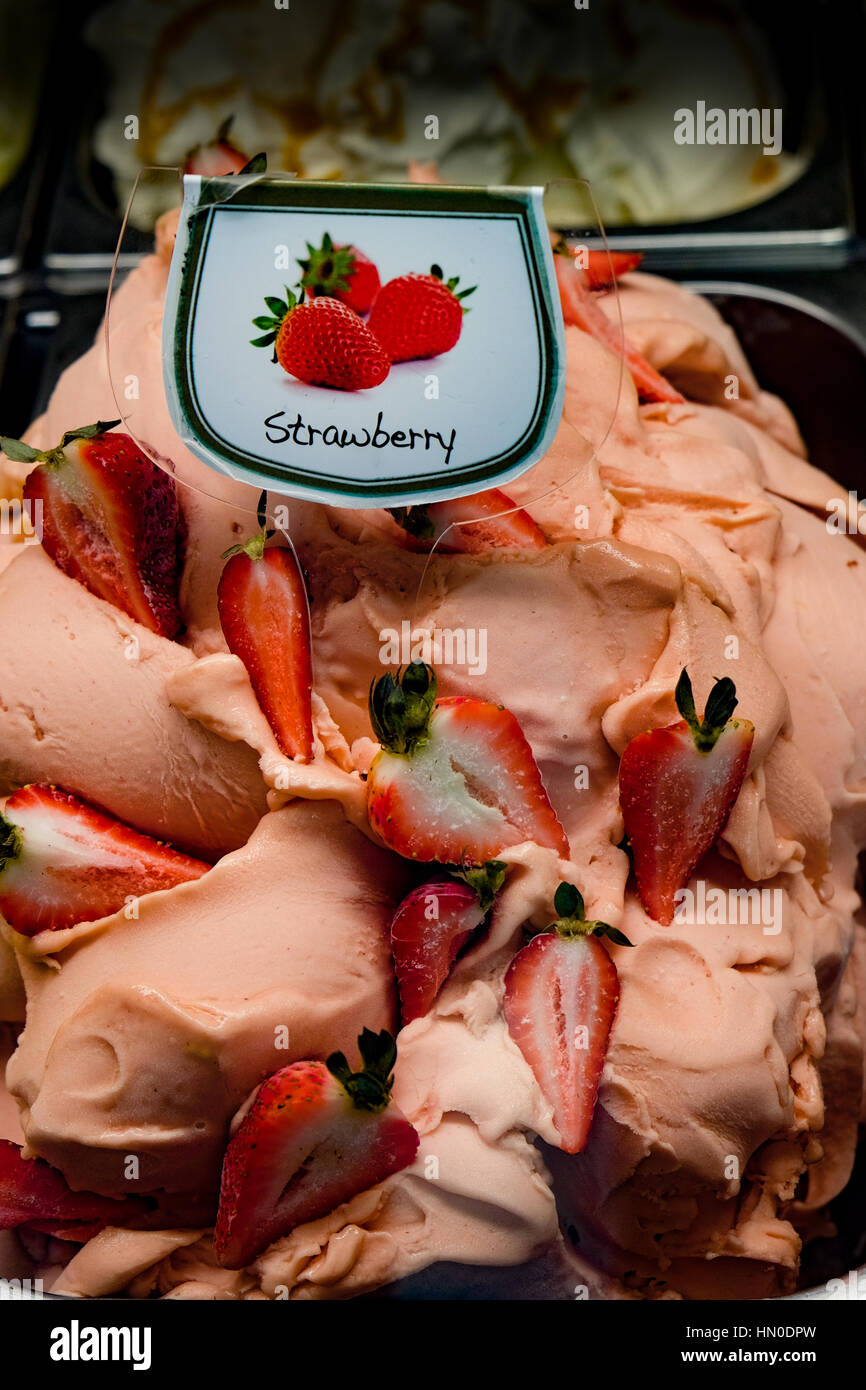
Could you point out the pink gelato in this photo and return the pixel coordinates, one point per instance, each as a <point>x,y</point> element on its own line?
<point>680,535</point>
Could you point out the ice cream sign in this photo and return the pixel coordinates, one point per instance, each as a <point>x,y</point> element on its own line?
<point>361,344</point>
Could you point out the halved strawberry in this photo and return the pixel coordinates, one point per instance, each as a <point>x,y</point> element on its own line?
<point>455,779</point>
<point>316,1134</point>
<point>343,272</point>
<point>218,157</point>
<point>676,788</point>
<point>430,927</point>
<point>580,308</point>
<point>604,267</point>
<point>110,519</point>
<point>266,622</point>
<point>62,862</point>
<point>35,1195</point>
<point>470,525</point>
<point>561,994</point>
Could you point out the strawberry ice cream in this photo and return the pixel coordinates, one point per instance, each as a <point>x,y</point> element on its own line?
<point>682,535</point>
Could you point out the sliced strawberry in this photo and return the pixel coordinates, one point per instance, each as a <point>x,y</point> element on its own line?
<point>76,1232</point>
<point>218,157</point>
<point>34,1194</point>
<point>62,862</point>
<point>605,267</point>
<point>343,272</point>
<point>470,525</point>
<point>110,519</point>
<point>430,927</point>
<point>315,1135</point>
<point>561,994</point>
<point>455,779</point>
<point>676,788</point>
<point>581,309</point>
<point>266,622</point>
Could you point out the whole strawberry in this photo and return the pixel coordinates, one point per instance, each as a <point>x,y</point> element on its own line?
<point>322,342</point>
<point>341,272</point>
<point>418,315</point>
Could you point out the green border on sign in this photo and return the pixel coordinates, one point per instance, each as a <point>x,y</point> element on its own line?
<point>280,196</point>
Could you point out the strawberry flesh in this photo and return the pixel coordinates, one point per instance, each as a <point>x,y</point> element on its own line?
<point>111,520</point>
<point>428,929</point>
<point>470,525</point>
<point>560,1000</point>
<point>676,789</point>
<point>265,620</point>
<point>64,862</point>
<point>603,268</point>
<point>215,160</point>
<point>675,802</point>
<point>468,788</point>
<point>580,309</point>
<point>35,1195</point>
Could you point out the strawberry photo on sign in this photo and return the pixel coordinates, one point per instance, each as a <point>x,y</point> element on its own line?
<point>342,328</point>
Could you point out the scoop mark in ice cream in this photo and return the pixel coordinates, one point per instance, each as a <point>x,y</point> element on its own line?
<point>335,436</point>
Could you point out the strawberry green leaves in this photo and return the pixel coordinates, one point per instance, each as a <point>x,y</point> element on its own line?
<point>721,703</point>
<point>572,921</point>
<point>400,706</point>
<point>369,1088</point>
<point>273,321</point>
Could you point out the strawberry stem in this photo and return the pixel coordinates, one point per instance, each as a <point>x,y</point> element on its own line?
<point>224,130</point>
<point>400,706</point>
<point>485,879</point>
<point>327,268</point>
<point>416,520</point>
<point>721,703</point>
<point>257,165</point>
<point>273,321</point>
<point>572,921</point>
<point>254,547</point>
<point>20,452</point>
<point>369,1088</point>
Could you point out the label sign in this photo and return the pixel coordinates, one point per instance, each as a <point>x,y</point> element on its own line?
<point>471,416</point>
